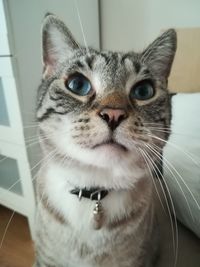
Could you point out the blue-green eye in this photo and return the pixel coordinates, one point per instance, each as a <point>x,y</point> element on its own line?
<point>78,84</point>
<point>142,91</point>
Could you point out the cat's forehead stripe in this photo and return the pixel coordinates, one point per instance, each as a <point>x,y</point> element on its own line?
<point>111,64</point>
<point>90,61</point>
<point>128,64</point>
<point>108,70</point>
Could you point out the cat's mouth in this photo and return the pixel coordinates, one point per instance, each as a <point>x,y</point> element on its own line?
<point>111,143</point>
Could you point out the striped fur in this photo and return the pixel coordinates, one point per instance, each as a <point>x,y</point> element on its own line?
<point>74,141</point>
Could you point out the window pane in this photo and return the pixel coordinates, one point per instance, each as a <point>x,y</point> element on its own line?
<point>9,175</point>
<point>4,119</point>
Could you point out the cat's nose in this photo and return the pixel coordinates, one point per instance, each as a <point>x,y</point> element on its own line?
<point>113,117</point>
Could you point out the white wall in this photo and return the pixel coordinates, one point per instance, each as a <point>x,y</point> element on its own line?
<point>132,24</point>
<point>24,19</point>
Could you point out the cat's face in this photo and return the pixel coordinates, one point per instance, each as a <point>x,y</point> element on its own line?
<point>98,107</point>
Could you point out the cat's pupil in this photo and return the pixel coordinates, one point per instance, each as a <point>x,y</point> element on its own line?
<point>79,85</point>
<point>143,91</point>
<point>76,84</point>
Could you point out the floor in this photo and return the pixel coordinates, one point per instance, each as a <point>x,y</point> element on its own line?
<point>17,247</point>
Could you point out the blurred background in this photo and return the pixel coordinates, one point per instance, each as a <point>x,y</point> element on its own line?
<point>120,25</point>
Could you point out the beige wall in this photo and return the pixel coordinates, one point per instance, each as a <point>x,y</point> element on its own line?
<point>185,74</point>
<point>132,24</point>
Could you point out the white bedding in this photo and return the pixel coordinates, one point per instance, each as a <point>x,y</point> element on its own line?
<point>183,152</point>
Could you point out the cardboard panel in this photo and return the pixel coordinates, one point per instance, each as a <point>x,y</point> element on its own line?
<point>185,74</point>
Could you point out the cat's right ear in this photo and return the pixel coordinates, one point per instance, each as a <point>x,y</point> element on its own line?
<point>159,55</point>
<point>57,43</point>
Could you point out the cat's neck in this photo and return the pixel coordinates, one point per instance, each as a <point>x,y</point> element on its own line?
<point>78,175</point>
<point>56,182</point>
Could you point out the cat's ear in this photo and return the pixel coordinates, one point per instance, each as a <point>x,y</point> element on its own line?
<point>57,42</point>
<point>159,55</point>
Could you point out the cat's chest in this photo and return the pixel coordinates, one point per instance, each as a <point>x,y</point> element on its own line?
<point>75,237</point>
<point>58,183</point>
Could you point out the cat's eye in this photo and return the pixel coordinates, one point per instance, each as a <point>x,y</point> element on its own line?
<point>78,84</point>
<point>142,91</point>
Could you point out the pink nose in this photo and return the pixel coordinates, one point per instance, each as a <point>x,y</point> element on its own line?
<point>113,117</point>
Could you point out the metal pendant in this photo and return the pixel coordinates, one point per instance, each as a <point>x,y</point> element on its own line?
<point>98,215</point>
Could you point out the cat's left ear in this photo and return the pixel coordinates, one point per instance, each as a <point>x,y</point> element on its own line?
<point>159,55</point>
<point>57,42</point>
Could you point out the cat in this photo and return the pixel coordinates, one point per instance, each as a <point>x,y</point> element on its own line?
<point>94,190</point>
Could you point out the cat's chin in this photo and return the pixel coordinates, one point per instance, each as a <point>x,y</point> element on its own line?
<point>111,147</point>
<point>108,155</point>
<point>104,155</point>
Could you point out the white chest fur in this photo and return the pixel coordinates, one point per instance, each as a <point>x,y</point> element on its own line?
<point>59,181</point>
<point>118,204</point>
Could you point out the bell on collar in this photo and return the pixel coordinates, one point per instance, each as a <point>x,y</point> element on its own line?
<point>98,214</point>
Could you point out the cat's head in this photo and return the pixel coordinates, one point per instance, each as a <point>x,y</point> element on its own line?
<point>100,108</point>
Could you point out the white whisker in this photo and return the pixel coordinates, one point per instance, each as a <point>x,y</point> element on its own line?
<point>175,240</point>
<point>152,178</point>
<point>36,139</point>
<point>38,163</point>
<point>6,229</point>
<point>81,25</point>
<point>30,126</point>
<point>4,158</point>
<point>169,166</point>
<point>180,177</point>
<point>185,152</point>
<point>163,190</point>
<point>165,130</point>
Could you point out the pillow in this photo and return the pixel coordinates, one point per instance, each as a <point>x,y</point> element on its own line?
<point>182,157</point>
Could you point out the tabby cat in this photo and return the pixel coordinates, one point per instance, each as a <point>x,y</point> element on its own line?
<point>94,190</point>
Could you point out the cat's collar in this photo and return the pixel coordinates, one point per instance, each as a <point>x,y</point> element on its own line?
<point>94,193</point>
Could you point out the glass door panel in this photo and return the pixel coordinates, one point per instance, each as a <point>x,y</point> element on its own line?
<point>4,118</point>
<point>9,175</point>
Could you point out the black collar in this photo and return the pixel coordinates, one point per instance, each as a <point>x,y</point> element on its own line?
<point>94,193</point>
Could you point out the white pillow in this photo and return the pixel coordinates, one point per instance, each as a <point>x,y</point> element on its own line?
<point>183,152</point>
